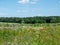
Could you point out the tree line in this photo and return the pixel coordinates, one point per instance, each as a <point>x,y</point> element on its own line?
<point>31,20</point>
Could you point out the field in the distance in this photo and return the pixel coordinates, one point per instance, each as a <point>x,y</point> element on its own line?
<point>29,34</point>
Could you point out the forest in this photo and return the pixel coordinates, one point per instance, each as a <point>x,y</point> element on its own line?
<point>31,20</point>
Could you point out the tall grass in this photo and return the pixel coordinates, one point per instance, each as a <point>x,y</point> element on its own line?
<point>29,34</point>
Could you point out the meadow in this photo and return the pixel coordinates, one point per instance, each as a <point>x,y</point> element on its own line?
<point>29,34</point>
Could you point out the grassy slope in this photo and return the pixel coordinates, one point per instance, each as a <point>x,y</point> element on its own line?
<point>29,34</point>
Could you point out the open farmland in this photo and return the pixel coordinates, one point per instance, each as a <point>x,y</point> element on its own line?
<point>29,34</point>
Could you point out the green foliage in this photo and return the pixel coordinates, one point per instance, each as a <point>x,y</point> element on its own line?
<point>31,20</point>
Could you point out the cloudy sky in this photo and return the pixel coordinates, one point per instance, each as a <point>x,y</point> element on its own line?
<point>28,8</point>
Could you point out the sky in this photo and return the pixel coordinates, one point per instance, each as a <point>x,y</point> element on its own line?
<point>29,8</point>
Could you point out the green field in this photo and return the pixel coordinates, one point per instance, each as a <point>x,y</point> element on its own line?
<point>29,34</point>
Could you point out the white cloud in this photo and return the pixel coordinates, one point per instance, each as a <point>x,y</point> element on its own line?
<point>23,1</point>
<point>27,1</point>
<point>34,1</point>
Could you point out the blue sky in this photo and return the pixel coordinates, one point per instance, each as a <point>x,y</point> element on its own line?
<point>28,8</point>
